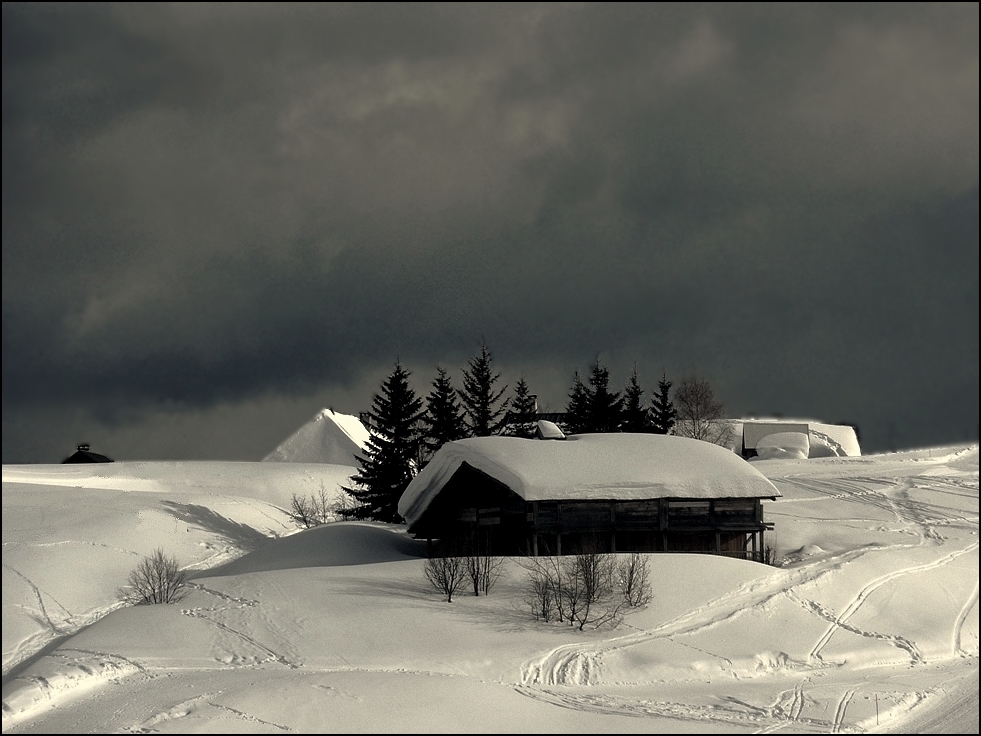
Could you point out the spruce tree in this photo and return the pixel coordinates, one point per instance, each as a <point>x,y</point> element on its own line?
<point>576,411</point>
<point>523,405</point>
<point>443,418</point>
<point>663,413</point>
<point>605,410</point>
<point>389,459</point>
<point>635,417</point>
<point>479,396</point>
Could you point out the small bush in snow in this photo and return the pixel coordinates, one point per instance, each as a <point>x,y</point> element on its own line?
<point>446,574</point>
<point>313,510</point>
<point>583,590</point>
<point>156,579</point>
<point>633,579</point>
<point>482,567</point>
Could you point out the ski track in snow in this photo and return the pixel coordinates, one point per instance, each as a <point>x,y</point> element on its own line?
<point>856,603</point>
<point>273,655</point>
<point>972,602</point>
<point>42,609</point>
<point>840,710</point>
<point>575,665</point>
<point>246,717</point>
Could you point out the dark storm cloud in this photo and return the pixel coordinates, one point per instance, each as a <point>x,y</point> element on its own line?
<point>210,206</point>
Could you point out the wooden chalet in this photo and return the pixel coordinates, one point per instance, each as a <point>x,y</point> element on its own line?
<point>589,493</point>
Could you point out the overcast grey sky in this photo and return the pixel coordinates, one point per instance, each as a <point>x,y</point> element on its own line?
<point>219,219</point>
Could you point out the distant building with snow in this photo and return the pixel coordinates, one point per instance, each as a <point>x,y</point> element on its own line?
<point>591,492</point>
<point>84,455</point>
<point>330,437</point>
<point>804,438</point>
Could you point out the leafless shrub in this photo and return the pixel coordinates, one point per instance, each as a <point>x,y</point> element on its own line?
<point>446,574</point>
<point>633,579</point>
<point>343,505</point>
<point>589,591</point>
<point>313,510</point>
<point>577,589</point>
<point>156,579</point>
<point>544,578</point>
<point>483,568</point>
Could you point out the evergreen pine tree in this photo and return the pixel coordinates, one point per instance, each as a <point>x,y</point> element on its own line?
<point>392,451</point>
<point>663,413</point>
<point>605,410</point>
<point>480,398</point>
<point>523,404</point>
<point>576,411</point>
<point>635,416</point>
<point>443,418</point>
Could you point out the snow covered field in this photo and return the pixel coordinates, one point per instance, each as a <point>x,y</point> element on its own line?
<point>870,623</point>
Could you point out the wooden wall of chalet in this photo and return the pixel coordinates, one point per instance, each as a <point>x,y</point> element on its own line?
<point>474,509</point>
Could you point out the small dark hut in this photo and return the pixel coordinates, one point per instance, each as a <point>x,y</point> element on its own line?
<point>84,455</point>
<point>589,493</point>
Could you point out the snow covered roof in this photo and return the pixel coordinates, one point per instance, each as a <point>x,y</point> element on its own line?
<point>834,439</point>
<point>592,467</point>
<point>329,437</point>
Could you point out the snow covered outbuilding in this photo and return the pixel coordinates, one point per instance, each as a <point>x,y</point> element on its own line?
<point>592,492</point>
<point>84,455</point>
<point>814,439</point>
<point>330,437</point>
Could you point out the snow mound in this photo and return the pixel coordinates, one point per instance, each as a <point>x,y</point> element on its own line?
<point>329,437</point>
<point>824,446</point>
<point>330,545</point>
<point>783,446</point>
<point>841,437</point>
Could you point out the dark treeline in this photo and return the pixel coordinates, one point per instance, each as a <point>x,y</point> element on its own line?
<point>407,429</point>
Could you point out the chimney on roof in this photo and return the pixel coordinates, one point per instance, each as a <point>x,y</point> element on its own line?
<point>546,430</point>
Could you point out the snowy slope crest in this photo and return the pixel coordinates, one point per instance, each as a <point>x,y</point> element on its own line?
<point>329,437</point>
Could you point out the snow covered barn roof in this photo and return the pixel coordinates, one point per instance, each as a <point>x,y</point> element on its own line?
<point>590,467</point>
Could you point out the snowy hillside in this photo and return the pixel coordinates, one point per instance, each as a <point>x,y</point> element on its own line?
<point>870,622</point>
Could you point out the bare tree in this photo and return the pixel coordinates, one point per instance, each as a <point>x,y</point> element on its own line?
<point>313,510</point>
<point>589,594</point>
<point>483,568</point>
<point>700,415</point>
<point>156,579</point>
<point>446,574</point>
<point>633,579</point>
<point>318,508</point>
<point>578,589</point>
<point>541,587</point>
<point>343,505</point>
